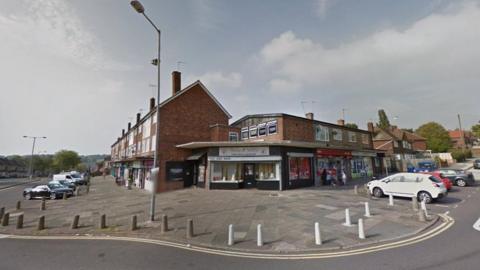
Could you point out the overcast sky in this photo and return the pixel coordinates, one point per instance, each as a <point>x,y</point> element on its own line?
<point>78,71</point>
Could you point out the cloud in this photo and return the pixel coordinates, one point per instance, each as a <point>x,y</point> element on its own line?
<point>205,14</point>
<point>322,6</point>
<point>433,57</point>
<point>219,80</point>
<point>282,86</point>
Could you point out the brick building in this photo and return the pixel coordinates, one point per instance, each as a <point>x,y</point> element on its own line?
<point>461,139</point>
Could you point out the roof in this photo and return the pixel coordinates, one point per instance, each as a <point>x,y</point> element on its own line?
<point>455,133</point>
<point>266,115</point>
<point>396,134</point>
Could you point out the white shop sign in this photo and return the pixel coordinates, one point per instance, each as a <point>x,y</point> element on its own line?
<point>243,151</point>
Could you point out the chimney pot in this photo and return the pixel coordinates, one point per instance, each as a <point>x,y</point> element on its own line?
<point>152,103</point>
<point>123,132</point>
<point>370,127</point>
<point>138,117</point>
<point>309,116</point>
<point>176,82</point>
<point>129,126</point>
<point>341,122</point>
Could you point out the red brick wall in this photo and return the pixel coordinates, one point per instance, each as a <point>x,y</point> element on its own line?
<point>221,133</point>
<point>296,129</point>
<point>419,145</point>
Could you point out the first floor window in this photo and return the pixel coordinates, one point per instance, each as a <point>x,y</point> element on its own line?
<point>244,133</point>
<point>321,133</point>
<point>352,137</point>
<point>233,136</point>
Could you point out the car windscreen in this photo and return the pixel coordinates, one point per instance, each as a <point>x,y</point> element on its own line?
<point>53,186</point>
<point>75,175</point>
<point>435,179</point>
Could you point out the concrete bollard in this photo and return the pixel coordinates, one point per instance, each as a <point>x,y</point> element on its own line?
<point>103,221</point>
<point>43,204</point>
<point>318,235</point>
<point>164,225</point>
<point>65,195</point>
<point>348,222</point>
<point>190,228</point>
<point>88,187</point>
<point>2,212</point>
<point>421,216</point>
<point>77,191</point>
<point>390,200</point>
<point>19,205</point>
<point>231,239</point>
<point>414,203</point>
<point>133,225</point>
<point>75,221</point>
<point>6,219</point>
<point>41,223</point>
<point>361,231</point>
<point>259,235</point>
<point>367,210</point>
<point>20,221</point>
<point>355,190</point>
<point>423,205</point>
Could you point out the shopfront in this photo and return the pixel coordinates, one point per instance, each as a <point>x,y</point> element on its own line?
<point>333,166</point>
<point>300,168</point>
<point>362,165</point>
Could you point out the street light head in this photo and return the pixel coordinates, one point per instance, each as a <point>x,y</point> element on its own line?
<point>25,136</point>
<point>137,6</point>
<point>44,137</point>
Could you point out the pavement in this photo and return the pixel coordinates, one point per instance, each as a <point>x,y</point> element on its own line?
<point>287,217</point>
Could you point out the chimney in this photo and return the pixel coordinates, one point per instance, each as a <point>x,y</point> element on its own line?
<point>371,129</point>
<point>152,103</point>
<point>176,82</point>
<point>309,116</point>
<point>341,122</point>
<point>123,132</point>
<point>138,117</point>
<point>129,126</point>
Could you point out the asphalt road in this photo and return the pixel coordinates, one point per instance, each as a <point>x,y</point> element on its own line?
<point>11,190</point>
<point>457,248</point>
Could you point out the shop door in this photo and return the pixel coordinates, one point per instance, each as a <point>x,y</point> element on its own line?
<point>249,175</point>
<point>188,177</point>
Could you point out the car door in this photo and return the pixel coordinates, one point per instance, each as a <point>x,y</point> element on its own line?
<point>450,174</point>
<point>394,185</point>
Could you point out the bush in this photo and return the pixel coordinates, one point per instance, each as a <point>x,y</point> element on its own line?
<point>461,155</point>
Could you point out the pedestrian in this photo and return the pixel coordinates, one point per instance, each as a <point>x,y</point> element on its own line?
<point>324,177</point>
<point>344,178</point>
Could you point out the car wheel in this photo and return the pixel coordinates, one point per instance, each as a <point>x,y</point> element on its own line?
<point>460,182</point>
<point>53,196</point>
<point>378,192</point>
<point>425,196</point>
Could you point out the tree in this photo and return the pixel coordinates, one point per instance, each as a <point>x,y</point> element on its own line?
<point>437,136</point>
<point>351,125</point>
<point>383,121</point>
<point>66,160</point>
<point>476,130</point>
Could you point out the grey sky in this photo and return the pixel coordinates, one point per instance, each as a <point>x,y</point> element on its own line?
<point>77,71</point>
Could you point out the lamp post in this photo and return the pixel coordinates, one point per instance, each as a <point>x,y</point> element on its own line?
<point>30,171</point>
<point>140,9</point>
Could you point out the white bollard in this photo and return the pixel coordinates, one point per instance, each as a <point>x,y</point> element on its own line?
<point>361,231</point>
<point>231,240</point>
<point>347,218</point>
<point>390,200</point>
<point>367,210</point>
<point>318,235</point>
<point>423,205</point>
<point>259,235</point>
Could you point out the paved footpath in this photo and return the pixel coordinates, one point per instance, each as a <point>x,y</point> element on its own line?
<point>287,217</point>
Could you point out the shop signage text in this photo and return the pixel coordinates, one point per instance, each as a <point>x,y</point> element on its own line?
<point>333,152</point>
<point>243,151</point>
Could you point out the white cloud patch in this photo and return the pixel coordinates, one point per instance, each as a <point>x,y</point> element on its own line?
<point>322,6</point>
<point>433,58</point>
<point>218,80</point>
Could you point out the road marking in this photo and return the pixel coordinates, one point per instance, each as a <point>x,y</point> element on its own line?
<point>476,226</point>
<point>440,205</point>
<point>446,224</point>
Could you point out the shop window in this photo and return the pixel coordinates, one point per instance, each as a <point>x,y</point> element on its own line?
<point>321,133</point>
<point>233,136</point>
<point>244,133</point>
<point>352,137</point>
<point>253,132</point>
<point>227,172</point>
<point>262,129</point>
<point>272,127</point>
<point>175,170</point>
<point>299,168</point>
<point>265,171</point>
<point>337,134</point>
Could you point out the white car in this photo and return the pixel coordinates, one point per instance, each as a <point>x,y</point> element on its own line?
<point>423,186</point>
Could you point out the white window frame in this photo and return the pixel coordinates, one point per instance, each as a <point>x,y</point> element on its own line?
<point>252,128</point>
<point>351,135</point>
<point>272,123</point>
<point>230,133</point>
<point>322,133</point>
<point>338,132</point>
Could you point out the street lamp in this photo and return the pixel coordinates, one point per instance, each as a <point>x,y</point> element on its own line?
<point>30,171</point>
<point>140,9</point>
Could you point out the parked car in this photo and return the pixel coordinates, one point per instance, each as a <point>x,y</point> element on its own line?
<point>424,166</point>
<point>79,179</point>
<point>446,182</point>
<point>459,178</point>
<point>65,177</point>
<point>64,183</point>
<point>476,164</point>
<point>52,191</point>
<point>423,186</point>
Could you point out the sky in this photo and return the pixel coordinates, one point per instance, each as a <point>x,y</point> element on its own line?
<point>78,71</point>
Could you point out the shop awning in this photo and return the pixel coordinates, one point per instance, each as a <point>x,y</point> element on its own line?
<point>196,156</point>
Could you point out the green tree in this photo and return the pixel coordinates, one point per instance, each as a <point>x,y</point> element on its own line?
<point>476,130</point>
<point>351,125</point>
<point>383,121</point>
<point>437,136</point>
<point>66,160</point>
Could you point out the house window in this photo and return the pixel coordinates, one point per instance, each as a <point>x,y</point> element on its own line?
<point>146,129</point>
<point>321,133</point>
<point>244,133</point>
<point>233,136</point>
<point>352,137</point>
<point>262,129</point>
<point>365,139</point>
<point>337,134</point>
<point>272,127</point>
<point>253,131</point>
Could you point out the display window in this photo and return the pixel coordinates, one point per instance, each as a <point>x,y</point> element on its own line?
<point>266,171</point>
<point>299,168</point>
<point>227,171</point>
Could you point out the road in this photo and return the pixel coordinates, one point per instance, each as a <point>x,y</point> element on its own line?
<point>457,248</point>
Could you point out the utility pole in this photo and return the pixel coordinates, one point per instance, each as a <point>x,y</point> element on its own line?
<point>30,169</point>
<point>462,135</point>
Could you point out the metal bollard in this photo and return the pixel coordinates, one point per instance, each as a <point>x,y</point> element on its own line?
<point>367,210</point>
<point>5,219</point>
<point>64,196</point>
<point>414,203</point>
<point>43,205</point>
<point>361,231</point>
<point>421,216</point>
<point>2,212</point>
<point>103,221</point>
<point>231,239</point>
<point>41,223</point>
<point>20,221</point>
<point>75,221</point>
<point>164,226</point>
<point>133,225</point>
<point>348,222</point>
<point>190,228</point>
<point>355,190</point>
<point>318,235</point>
<point>390,200</point>
<point>19,205</point>
<point>259,235</point>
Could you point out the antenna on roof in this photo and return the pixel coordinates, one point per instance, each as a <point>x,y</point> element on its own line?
<point>180,63</point>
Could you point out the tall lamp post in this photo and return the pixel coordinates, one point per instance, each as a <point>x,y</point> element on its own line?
<point>30,171</point>
<point>140,9</point>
